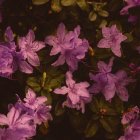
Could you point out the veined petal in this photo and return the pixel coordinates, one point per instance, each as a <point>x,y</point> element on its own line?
<point>25,67</point>
<point>38,45</point>
<point>33,58</point>
<point>103,43</point>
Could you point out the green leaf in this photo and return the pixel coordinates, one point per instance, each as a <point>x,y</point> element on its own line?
<point>106,125</point>
<point>98,6</point>
<point>82,4</point>
<point>94,105</point>
<point>103,24</point>
<point>103,13</point>
<point>56,6</point>
<point>92,16</point>
<point>91,129</point>
<point>68,2</point>
<point>118,104</point>
<point>129,37</point>
<point>34,83</point>
<point>78,121</point>
<point>54,79</point>
<point>39,2</point>
<point>110,124</point>
<point>108,107</point>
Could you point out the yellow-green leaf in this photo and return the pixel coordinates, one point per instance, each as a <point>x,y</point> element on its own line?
<point>39,2</point>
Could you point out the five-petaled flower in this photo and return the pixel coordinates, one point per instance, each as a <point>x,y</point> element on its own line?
<point>77,93</point>
<point>29,47</point>
<point>112,39</point>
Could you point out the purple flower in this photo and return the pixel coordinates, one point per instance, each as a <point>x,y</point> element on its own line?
<point>18,124</point>
<point>77,93</point>
<point>104,80</point>
<point>112,39</point>
<point>130,116</point>
<point>21,120</point>
<point>108,83</point>
<point>35,107</point>
<point>10,134</point>
<point>13,57</point>
<point>71,48</point>
<point>131,120</point>
<point>42,114</point>
<point>32,102</point>
<point>125,10</point>
<point>132,132</point>
<point>10,59</point>
<point>121,82</point>
<point>29,47</point>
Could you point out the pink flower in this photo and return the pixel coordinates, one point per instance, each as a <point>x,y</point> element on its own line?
<point>112,39</point>
<point>29,47</point>
<point>77,93</point>
<point>71,48</point>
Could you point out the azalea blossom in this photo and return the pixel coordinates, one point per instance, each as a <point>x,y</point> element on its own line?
<point>121,82</point>
<point>108,83</point>
<point>132,130</point>
<point>71,48</point>
<point>18,124</point>
<point>29,48</point>
<point>77,93</point>
<point>35,107</point>
<point>112,39</point>
<point>14,57</point>
<point>10,59</point>
<point>130,116</point>
<point>22,118</point>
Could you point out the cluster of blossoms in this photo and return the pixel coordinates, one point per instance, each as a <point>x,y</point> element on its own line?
<point>109,83</point>
<point>71,48</point>
<point>23,117</point>
<point>19,57</point>
<point>131,122</point>
<point>125,10</point>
